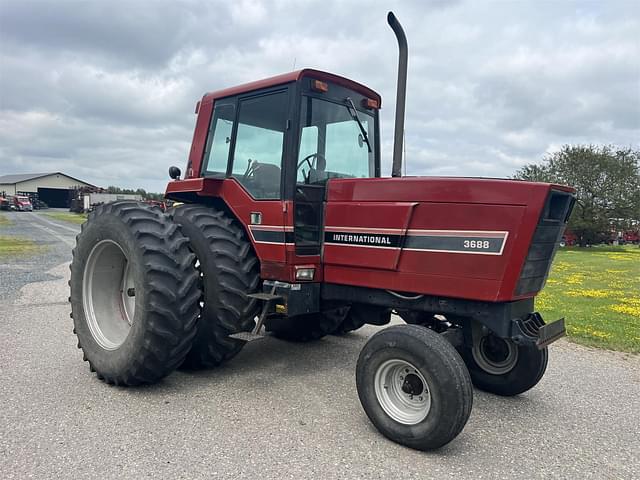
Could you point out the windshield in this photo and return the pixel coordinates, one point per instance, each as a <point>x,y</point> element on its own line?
<point>23,199</point>
<point>332,144</point>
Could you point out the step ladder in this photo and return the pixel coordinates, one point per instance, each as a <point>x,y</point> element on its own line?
<point>267,300</point>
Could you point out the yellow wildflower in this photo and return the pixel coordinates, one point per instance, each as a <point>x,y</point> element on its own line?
<point>575,279</point>
<point>632,310</point>
<point>599,334</point>
<point>589,293</point>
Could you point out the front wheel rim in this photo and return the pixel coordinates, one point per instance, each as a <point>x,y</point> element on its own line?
<point>108,294</point>
<point>402,391</point>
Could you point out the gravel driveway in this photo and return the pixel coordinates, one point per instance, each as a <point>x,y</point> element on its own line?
<point>281,410</point>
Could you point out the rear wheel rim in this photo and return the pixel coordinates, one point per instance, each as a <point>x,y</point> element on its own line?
<point>108,294</point>
<point>495,355</point>
<point>402,391</point>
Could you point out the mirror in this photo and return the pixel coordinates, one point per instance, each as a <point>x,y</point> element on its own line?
<point>174,172</point>
<point>360,140</point>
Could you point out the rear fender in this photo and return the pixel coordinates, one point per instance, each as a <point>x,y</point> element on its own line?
<point>262,220</point>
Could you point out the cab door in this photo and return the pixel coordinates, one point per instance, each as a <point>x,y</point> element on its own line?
<point>256,164</point>
<point>247,145</point>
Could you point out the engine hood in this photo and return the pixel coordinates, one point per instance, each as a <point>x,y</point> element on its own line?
<point>438,189</point>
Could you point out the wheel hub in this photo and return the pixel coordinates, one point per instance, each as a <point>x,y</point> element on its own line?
<point>412,384</point>
<point>402,391</point>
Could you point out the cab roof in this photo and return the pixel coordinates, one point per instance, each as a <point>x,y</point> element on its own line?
<point>293,77</point>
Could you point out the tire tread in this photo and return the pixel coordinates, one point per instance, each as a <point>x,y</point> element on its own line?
<point>170,320</point>
<point>236,273</point>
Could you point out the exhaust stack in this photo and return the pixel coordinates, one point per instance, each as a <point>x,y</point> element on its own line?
<point>401,95</point>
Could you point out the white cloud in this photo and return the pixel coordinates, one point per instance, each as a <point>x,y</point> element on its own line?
<point>105,91</point>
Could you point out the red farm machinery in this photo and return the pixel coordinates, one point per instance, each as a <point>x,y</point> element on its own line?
<point>287,227</point>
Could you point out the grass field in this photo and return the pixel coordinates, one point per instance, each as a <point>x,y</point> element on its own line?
<point>597,290</point>
<point>11,246</point>
<point>68,216</point>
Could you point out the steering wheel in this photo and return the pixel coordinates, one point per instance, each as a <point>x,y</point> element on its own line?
<point>314,161</point>
<point>251,167</point>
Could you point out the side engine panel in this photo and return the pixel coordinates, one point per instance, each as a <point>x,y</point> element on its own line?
<point>464,237</point>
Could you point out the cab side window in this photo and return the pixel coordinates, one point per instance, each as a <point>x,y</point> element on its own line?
<point>257,157</point>
<point>217,153</point>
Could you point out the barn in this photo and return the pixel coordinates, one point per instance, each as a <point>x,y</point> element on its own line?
<point>52,188</point>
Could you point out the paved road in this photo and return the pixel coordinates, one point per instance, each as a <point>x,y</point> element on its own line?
<point>284,411</point>
<point>55,238</point>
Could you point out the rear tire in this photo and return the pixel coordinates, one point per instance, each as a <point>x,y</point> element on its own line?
<point>502,367</point>
<point>414,387</point>
<point>229,270</point>
<point>134,293</point>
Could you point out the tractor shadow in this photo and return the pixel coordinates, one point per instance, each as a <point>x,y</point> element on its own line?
<point>272,362</point>
<point>270,370</point>
<point>269,363</point>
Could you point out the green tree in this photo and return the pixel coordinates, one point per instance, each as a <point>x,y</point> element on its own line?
<point>607,181</point>
<point>139,191</point>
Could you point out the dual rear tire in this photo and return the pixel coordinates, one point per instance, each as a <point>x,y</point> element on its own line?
<point>151,292</point>
<point>134,294</point>
<point>228,270</point>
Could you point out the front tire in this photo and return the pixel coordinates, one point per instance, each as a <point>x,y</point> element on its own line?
<point>502,367</point>
<point>414,387</point>
<point>134,293</point>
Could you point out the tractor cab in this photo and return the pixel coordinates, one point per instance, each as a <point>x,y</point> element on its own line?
<point>272,146</point>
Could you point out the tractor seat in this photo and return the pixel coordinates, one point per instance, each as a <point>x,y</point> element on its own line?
<point>266,177</point>
<point>316,175</point>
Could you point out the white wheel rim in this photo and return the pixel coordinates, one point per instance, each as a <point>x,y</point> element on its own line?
<point>402,392</point>
<point>108,294</point>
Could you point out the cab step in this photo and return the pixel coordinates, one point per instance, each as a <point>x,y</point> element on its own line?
<point>247,336</point>
<point>267,299</point>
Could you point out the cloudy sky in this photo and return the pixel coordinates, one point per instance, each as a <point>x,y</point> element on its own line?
<point>105,90</point>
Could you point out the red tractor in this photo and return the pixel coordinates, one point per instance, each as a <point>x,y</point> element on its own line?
<point>287,224</point>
